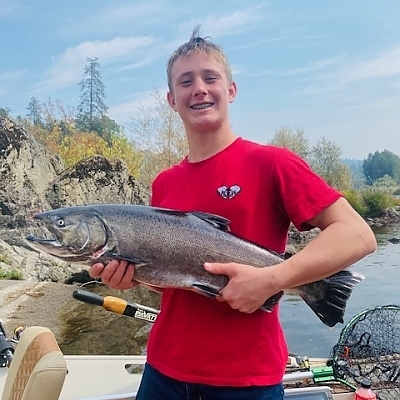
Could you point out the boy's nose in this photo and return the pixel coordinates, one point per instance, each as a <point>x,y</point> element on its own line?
<point>199,87</point>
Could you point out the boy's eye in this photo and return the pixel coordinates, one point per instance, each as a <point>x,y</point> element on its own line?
<point>211,79</point>
<point>186,82</point>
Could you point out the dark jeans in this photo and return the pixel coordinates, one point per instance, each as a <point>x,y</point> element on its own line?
<point>156,386</point>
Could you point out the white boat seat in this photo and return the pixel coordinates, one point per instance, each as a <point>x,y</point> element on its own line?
<point>38,368</point>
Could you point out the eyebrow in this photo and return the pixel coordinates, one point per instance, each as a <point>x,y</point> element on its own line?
<point>189,73</point>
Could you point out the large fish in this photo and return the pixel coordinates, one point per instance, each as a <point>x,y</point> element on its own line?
<point>169,249</point>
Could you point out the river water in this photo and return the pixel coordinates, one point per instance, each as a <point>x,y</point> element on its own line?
<point>92,330</point>
<point>306,335</point>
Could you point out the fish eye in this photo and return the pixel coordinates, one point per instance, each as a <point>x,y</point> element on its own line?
<point>61,223</point>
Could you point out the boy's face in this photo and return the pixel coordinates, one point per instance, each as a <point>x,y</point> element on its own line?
<point>201,92</point>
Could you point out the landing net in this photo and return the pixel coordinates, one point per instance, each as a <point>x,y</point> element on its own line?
<point>369,347</point>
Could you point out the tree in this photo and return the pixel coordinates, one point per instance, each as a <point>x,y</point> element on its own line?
<point>92,108</point>
<point>326,161</point>
<point>34,112</point>
<point>159,133</point>
<point>382,163</point>
<point>81,145</point>
<point>4,112</point>
<point>292,140</point>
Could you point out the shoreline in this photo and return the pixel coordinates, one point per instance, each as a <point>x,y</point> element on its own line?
<point>29,302</point>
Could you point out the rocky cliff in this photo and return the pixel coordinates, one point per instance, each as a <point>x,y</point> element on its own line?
<point>33,180</point>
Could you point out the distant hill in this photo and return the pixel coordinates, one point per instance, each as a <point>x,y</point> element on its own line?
<point>356,168</point>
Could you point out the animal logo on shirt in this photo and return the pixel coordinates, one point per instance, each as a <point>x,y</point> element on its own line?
<point>229,192</point>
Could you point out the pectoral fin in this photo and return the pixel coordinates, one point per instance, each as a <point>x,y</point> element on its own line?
<point>206,290</point>
<point>133,260</point>
<point>270,303</point>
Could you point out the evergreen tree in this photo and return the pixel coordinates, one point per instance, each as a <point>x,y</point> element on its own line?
<point>92,108</point>
<point>34,112</point>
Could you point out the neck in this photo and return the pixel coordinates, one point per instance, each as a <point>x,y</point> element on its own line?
<point>203,145</point>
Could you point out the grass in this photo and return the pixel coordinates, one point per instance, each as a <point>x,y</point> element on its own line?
<point>13,275</point>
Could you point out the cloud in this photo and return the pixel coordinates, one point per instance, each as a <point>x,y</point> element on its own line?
<point>385,64</point>
<point>9,80</point>
<point>68,68</point>
<point>11,75</point>
<point>312,67</point>
<point>121,17</point>
<point>227,24</point>
<point>123,112</point>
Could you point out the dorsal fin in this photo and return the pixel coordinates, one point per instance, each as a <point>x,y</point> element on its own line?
<point>215,220</point>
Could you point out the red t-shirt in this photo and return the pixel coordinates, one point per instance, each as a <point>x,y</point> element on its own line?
<point>260,189</point>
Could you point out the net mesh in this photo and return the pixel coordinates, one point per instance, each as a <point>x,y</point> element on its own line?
<point>369,347</point>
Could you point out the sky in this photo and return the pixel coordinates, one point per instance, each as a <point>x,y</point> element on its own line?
<point>329,68</point>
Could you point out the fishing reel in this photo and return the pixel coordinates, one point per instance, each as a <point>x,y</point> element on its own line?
<point>7,345</point>
<point>6,348</point>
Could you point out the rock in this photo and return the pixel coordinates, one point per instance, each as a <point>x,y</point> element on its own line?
<point>26,168</point>
<point>96,180</point>
<point>33,180</point>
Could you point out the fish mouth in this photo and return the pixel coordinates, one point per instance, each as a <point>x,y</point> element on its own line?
<point>51,246</point>
<point>44,241</point>
<point>55,244</point>
<point>54,238</point>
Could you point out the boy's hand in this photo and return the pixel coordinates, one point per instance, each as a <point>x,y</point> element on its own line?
<point>248,287</point>
<point>116,274</point>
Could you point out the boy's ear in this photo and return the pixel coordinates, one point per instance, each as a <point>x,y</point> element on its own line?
<point>171,100</point>
<point>232,92</point>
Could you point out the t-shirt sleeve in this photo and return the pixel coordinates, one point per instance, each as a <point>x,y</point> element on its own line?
<point>304,194</point>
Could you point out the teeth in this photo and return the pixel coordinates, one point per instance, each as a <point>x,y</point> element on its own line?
<point>202,106</point>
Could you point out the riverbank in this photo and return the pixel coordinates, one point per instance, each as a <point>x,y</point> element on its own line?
<point>29,302</point>
<point>78,327</point>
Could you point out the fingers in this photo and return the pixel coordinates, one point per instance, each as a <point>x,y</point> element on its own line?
<point>218,268</point>
<point>241,292</point>
<point>116,274</point>
<point>95,270</point>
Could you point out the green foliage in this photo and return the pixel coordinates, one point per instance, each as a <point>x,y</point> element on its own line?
<point>370,202</point>
<point>380,164</point>
<point>355,198</point>
<point>386,184</point>
<point>14,275</point>
<point>377,202</point>
<point>292,140</point>
<point>79,146</point>
<point>325,159</point>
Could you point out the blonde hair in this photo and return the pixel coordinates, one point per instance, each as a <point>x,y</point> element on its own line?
<point>197,44</point>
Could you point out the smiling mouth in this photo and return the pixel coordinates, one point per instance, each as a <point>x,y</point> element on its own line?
<point>202,106</point>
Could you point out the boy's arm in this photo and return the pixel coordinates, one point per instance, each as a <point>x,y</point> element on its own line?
<point>344,239</point>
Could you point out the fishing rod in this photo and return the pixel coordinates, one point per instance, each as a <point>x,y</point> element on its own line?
<point>117,305</point>
<point>367,347</point>
<point>138,311</point>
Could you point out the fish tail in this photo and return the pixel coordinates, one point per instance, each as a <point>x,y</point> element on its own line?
<point>328,297</point>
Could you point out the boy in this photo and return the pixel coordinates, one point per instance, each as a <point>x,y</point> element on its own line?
<point>200,348</point>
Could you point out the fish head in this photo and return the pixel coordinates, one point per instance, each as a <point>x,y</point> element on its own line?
<point>77,235</point>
